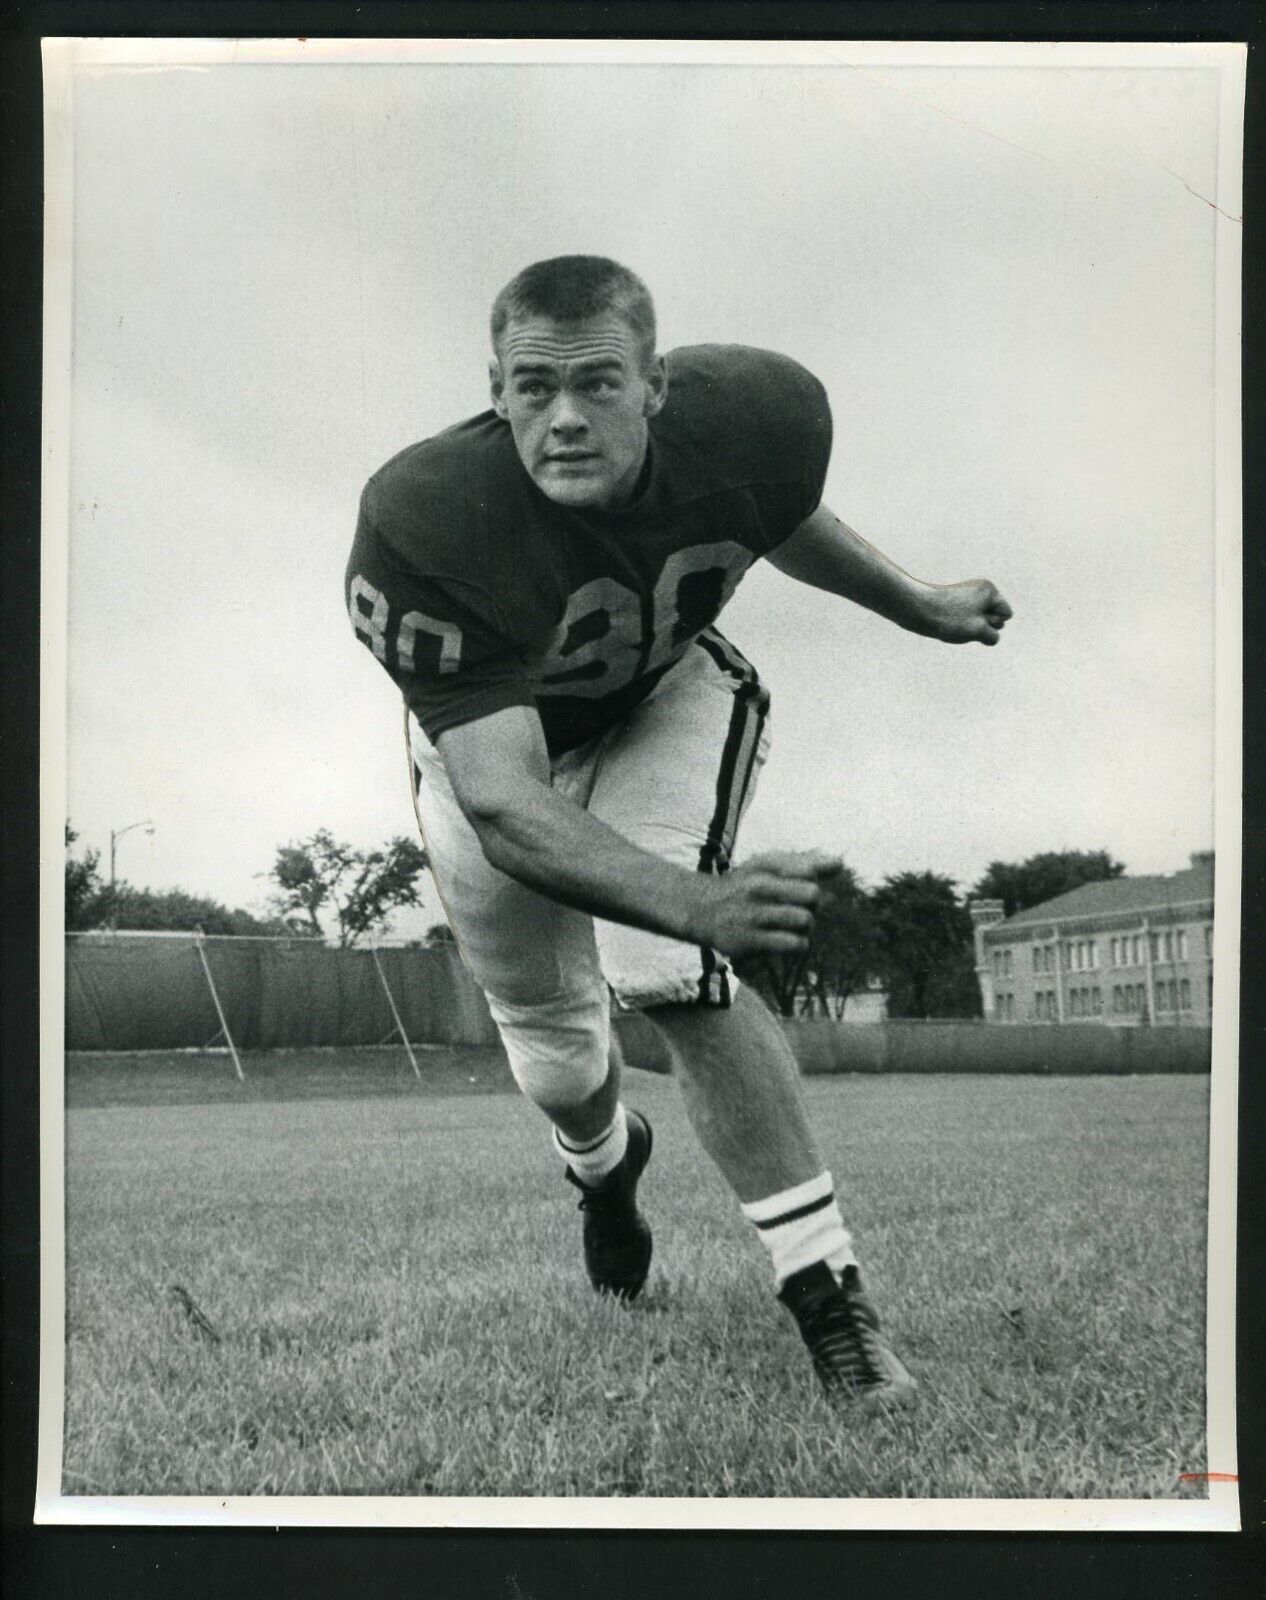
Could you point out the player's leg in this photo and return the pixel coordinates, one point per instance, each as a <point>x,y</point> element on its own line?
<point>537,964</point>
<point>742,1091</point>
<point>676,780</point>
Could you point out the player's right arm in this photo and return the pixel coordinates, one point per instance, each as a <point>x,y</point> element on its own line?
<point>499,770</point>
<point>452,650</point>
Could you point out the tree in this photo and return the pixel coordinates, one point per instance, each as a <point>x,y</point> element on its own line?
<point>840,958</point>
<point>322,875</point>
<point>83,884</point>
<point>90,904</point>
<point>845,950</point>
<point>1022,884</point>
<point>176,911</point>
<point>924,939</point>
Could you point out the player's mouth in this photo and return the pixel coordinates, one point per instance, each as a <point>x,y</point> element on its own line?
<point>570,458</point>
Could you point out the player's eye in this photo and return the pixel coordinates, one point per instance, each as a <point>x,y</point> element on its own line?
<point>532,387</point>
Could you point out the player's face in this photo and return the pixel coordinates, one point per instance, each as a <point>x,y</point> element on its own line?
<point>578,397</point>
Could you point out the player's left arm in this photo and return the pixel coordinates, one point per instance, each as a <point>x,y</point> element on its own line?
<point>826,554</point>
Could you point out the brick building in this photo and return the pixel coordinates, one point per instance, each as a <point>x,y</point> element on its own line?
<point>1125,951</point>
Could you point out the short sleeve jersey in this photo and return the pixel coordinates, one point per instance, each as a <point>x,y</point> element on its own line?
<point>477,592</point>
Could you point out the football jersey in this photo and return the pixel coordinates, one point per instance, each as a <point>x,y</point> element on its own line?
<point>477,592</point>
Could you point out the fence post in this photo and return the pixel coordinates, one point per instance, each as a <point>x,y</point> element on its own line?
<point>219,1009</point>
<point>391,1001</point>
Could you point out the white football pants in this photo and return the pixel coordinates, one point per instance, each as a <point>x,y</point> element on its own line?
<point>675,779</point>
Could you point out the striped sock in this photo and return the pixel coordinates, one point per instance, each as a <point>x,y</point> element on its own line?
<point>802,1225</point>
<point>593,1160</point>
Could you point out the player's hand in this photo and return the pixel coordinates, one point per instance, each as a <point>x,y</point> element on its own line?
<point>765,906</point>
<point>965,613</point>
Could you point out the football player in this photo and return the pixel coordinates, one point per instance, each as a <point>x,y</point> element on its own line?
<point>542,582</point>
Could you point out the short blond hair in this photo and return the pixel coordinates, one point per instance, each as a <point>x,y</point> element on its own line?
<point>573,288</point>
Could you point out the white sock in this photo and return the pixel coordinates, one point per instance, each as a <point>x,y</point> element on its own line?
<point>802,1225</point>
<point>594,1159</point>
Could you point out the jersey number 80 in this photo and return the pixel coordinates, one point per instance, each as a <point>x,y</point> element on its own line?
<point>600,645</point>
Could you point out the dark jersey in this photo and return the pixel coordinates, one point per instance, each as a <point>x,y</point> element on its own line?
<point>477,592</point>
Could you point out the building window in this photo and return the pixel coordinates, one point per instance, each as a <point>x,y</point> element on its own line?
<point>1169,946</point>
<point>1153,940</point>
<point>1006,962</point>
<point>1138,950</point>
<point>997,963</point>
<point>1096,1000</point>
<point>1208,941</point>
<point>1180,944</point>
<point>1161,1004</point>
<point>1184,994</point>
<point>1173,994</point>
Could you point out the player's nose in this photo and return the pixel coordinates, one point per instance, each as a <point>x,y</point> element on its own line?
<point>566,416</point>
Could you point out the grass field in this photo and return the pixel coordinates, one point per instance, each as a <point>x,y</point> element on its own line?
<point>392,1275</point>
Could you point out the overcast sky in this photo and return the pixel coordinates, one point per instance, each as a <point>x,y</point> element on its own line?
<point>1004,278</point>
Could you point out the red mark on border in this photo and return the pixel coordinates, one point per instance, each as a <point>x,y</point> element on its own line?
<point>1208,1477</point>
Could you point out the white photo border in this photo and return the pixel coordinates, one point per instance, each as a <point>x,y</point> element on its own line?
<point>63,59</point>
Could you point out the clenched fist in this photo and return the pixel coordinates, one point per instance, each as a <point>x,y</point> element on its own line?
<point>766,905</point>
<point>973,612</point>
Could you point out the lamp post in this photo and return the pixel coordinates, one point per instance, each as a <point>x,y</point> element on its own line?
<point>117,833</point>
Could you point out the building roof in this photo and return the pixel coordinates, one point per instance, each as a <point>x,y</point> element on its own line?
<point>1112,896</point>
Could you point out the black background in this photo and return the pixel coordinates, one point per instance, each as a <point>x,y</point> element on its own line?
<point>42,1563</point>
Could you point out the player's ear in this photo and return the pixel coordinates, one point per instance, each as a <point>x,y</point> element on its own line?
<point>656,379</point>
<point>497,385</point>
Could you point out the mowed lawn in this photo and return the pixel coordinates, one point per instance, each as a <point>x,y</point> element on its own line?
<point>394,1280</point>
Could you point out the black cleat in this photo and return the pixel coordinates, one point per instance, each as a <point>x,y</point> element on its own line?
<point>616,1236</point>
<point>852,1359</point>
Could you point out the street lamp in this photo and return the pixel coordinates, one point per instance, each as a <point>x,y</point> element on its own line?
<point>117,833</point>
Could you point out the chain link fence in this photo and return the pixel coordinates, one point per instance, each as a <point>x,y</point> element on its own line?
<point>139,991</point>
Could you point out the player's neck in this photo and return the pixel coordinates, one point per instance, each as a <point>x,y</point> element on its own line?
<point>637,485</point>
